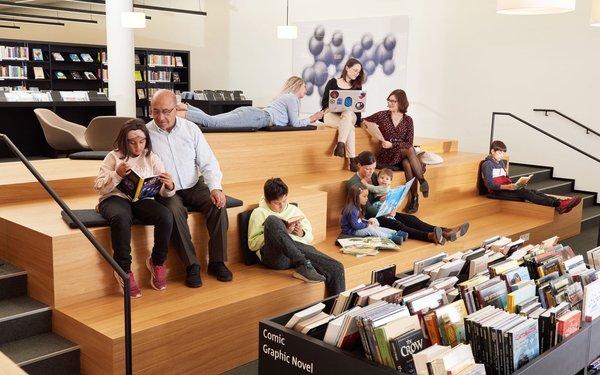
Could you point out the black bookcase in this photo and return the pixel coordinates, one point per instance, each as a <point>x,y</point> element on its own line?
<point>285,351</point>
<point>68,66</point>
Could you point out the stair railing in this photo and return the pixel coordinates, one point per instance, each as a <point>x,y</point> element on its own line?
<point>587,130</point>
<point>494,114</point>
<point>93,241</point>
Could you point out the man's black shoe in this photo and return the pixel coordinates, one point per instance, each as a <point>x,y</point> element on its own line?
<point>219,270</point>
<point>192,278</point>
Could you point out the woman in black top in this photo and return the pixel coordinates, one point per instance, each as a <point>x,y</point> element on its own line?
<point>352,78</point>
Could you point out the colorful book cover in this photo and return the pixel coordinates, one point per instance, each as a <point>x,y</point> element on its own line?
<point>524,343</point>
<point>394,198</point>
<point>87,57</point>
<point>450,320</point>
<point>494,295</point>
<point>38,55</point>
<point>60,75</point>
<point>74,57</point>
<point>138,188</point>
<point>404,347</point>
<point>568,324</point>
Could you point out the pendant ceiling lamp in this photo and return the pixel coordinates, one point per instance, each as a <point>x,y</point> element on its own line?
<point>528,7</point>
<point>595,18</point>
<point>287,31</point>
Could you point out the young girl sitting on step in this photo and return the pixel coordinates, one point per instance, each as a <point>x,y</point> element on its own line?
<point>133,152</point>
<point>354,223</point>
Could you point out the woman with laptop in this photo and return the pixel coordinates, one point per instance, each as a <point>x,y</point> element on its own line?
<point>352,78</point>
<point>283,111</point>
<point>397,149</point>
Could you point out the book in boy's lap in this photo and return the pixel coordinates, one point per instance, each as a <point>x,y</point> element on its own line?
<point>137,187</point>
<point>393,198</point>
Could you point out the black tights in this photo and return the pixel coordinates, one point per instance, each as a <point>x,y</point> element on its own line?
<point>412,168</point>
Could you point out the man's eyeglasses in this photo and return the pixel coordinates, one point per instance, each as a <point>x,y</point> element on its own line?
<point>164,112</point>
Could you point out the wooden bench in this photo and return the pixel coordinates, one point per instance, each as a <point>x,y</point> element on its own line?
<point>214,328</point>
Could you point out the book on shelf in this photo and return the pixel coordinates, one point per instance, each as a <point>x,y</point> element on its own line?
<point>86,57</point>
<point>141,94</point>
<point>361,297</point>
<point>175,76</point>
<point>492,292</point>
<point>138,76</point>
<point>404,347</point>
<point>74,57</point>
<point>394,198</point>
<point>515,276</point>
<point>313,324</point>
<point>76,75</point>
<point>385,275</point>
<point>305,314</point>
<point>568,324</point>
<point>57,56</point>
<point>420,264</point>
<point>526,290</point>
<point>523,181</point>
<point>523,343</point>
<point>137,60</point>
<point>593,257</point>
<point>453,360</point>
<point>37,53</point>
<point>59,74</point>
<point>38,72</point>
<point>137,187</point>
<point>591,301</point>
<point>450,322</point>
<point>178,61</point>
<point>425,356</point>
<point>89,75</point>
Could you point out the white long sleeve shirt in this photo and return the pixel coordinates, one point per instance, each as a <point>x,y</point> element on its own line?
<point>184,152</point>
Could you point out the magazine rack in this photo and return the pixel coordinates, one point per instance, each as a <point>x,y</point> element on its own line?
<point>285,351</point>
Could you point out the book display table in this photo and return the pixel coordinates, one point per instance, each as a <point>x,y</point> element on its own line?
<point>282,350</point>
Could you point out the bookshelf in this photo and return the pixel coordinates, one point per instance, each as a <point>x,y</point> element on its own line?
<point>67,66</point>
<point>159,69</point>
<point>283,350</point>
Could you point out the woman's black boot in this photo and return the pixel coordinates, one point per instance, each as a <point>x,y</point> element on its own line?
<point>413,207</point>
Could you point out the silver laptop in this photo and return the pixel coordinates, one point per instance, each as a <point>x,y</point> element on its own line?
<point>344,100</point>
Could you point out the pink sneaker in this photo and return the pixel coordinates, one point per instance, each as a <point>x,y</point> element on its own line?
<point>158,278</point>
<point>134,290</point>
<point>568,204</point>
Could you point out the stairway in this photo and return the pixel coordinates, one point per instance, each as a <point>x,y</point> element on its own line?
<point>26,329</point>
<point>544,182</point>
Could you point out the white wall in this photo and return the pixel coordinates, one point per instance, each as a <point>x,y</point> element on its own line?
<point>464,62</point>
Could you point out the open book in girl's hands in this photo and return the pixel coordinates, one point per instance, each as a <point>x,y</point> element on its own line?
<point>137,187</point>
<point>394,198</point>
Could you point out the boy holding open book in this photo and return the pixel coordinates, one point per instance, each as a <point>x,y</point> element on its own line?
<point>496,180</point>
<point>280,234</point>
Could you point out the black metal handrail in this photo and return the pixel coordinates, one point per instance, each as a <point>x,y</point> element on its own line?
<point>494,114</point>
<point>93,240</point>
<point>587,130</point>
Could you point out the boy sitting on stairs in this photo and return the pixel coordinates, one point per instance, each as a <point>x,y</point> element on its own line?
<point>493,171</point>
<point>280,234</point>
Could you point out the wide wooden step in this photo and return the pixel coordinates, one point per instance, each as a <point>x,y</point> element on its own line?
<point>222,318</point>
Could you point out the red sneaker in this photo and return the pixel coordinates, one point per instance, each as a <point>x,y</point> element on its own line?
<point>158,278</point>
<point>568,204</point>
<point>134,290</point>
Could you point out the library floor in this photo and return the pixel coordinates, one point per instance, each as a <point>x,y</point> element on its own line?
<point>250,368</point>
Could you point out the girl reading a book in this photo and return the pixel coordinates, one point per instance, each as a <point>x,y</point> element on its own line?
<point>133,153</point>
<point>415,227</point>
<point>394,128</point>
<point>354,223</point>
<point>283,111</point>
<point>495,178</point>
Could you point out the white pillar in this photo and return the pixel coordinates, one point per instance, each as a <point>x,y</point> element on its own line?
<point>120,55</point>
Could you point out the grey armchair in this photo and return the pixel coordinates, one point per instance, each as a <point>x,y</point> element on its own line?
<point>61,135</point>
<point>103,130</point>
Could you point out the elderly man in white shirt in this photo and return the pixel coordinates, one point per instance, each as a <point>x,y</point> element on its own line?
<point>184,151</point>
